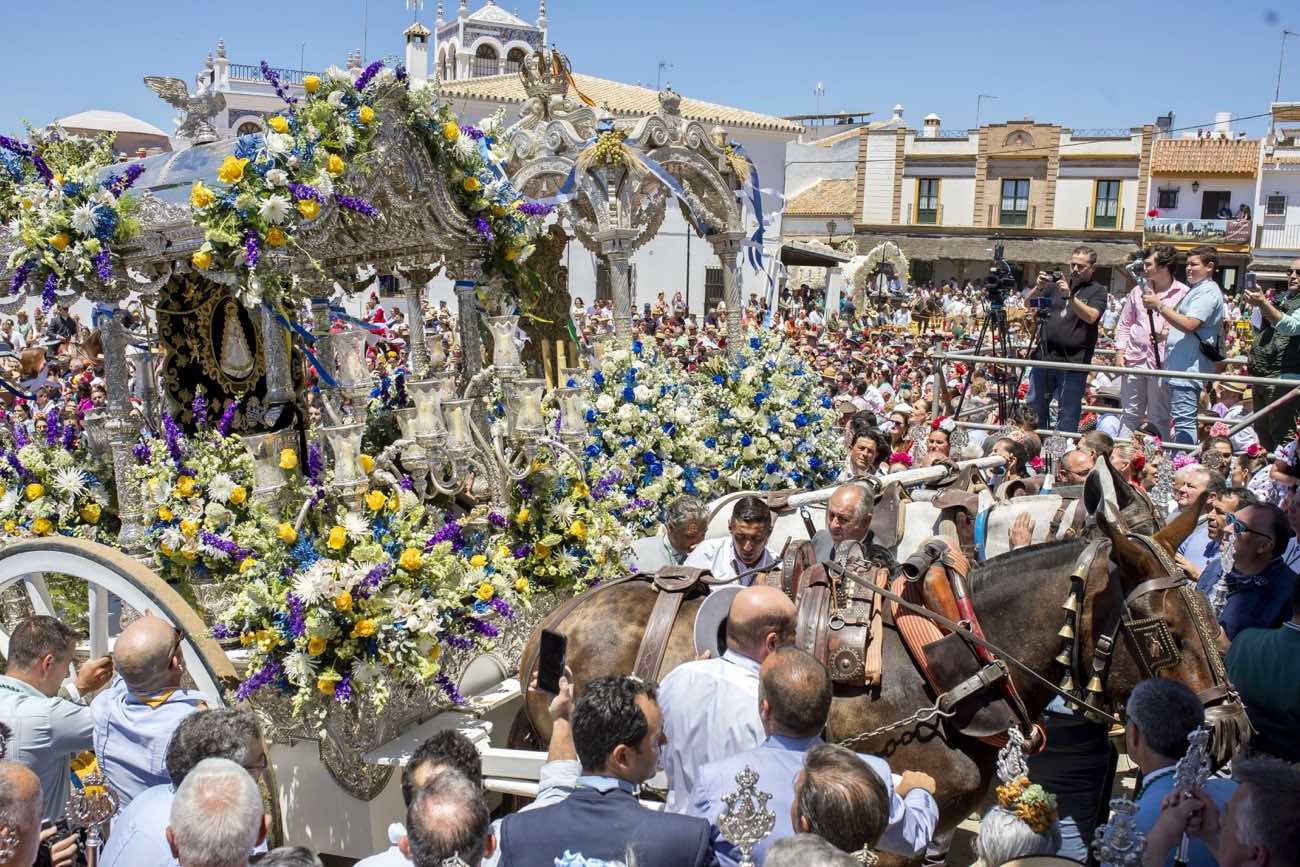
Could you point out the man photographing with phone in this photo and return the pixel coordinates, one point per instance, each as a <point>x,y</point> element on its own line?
<point>1276,353</point>
<point>1069,334</point>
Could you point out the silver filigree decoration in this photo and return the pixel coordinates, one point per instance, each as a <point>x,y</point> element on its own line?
<point>90,807</point>
<point>1119,843</point>
<point>746,821</point>
<point>1011,758</point>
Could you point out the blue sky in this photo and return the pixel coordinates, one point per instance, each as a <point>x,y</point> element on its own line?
<point>1120,64</point>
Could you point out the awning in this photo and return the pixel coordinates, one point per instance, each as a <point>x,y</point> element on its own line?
<point>800,253</point>
<point>980,249</point>
<point>1272,267</point>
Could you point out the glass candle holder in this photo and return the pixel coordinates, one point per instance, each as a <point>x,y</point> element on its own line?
<point>406,422</point>
<point>446,387</point>
<point>427,397</point>
<point>573,422</point>
<point>264,449</point>
<point>456,417</point>
<point>505,354</point>
<point>345,444</point>
<point>350,368</point>
<point>96,429</point>
<point>437,351</point>
<point>525,408</point>
<point>573,377</point>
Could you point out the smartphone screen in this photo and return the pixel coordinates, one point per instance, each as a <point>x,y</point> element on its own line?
<point>550,661</point>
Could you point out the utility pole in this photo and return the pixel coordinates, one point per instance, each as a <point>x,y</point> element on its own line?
<point>659,81</point>
<point>979,103</point>
<point>1277,88</point>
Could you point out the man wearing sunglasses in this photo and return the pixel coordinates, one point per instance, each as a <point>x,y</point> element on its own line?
<point>138,713</point>
<point>1276,352</point>
<point>1257,584</point>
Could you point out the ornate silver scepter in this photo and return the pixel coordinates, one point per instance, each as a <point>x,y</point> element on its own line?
<point>746,822</point>
<point>90,807</point>
<point>1190,774</point>
<point>1119,843</point>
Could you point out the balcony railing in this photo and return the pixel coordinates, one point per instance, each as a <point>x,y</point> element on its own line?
<point>249,72</point>
<point>1119,132</point>
<point>1188,231</point>
<point>482,66</point>
<point>1278,236</point>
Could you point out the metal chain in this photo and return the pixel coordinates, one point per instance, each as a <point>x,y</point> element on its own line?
<point>924,715</point>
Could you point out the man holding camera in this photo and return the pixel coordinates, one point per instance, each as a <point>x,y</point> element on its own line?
<point>1146,397</point>
<point>1276,353</point>
<point>1195,337</point>
<point>1069,334</point>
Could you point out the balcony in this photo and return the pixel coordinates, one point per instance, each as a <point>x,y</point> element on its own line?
<point>249,72</point>
<point>1188,231</point>
<point>1278,236</point>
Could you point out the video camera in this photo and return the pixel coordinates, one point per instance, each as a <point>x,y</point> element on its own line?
<point>1000,279</point>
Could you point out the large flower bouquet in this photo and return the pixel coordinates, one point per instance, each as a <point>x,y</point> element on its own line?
<point>273,184</point>
<point>769,419</point>
<point>65,208</point>
<point>47,488</point>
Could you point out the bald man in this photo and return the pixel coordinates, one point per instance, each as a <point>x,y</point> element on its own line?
<point>710,706</point>
<point>20,814</point>
<point>136,716</point>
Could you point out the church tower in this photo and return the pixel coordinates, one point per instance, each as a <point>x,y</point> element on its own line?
<point>487,41</point>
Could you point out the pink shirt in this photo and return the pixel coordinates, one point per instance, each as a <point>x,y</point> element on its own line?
<point>1133,331</point>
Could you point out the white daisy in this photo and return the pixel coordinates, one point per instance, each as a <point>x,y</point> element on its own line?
<point>172,538</point>
<point>358,529</point>
<point>310,584</point>
<point>220,487</point>
<point>567,562</point>
<point>274,209</point>
<point>325,184</point>
<point>9,501</point>
<point>300,668</point>
<point>70,482</point>
<point>335,99</point>
<point>83,219</point>
<point>565,511</point>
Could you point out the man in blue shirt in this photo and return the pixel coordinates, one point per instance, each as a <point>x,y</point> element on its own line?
<point>1197,316</point>
<point>1259,584</point>
<point>1160,714</point>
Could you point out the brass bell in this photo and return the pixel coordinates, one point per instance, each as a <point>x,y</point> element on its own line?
<point>1094,685</point>
<point>1064,657</point>
<point>1067,631</point>
<point>1071,603</point>
<point>1067,682</point>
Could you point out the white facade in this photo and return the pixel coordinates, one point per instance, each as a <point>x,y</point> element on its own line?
<point>1241,191</point>
<point>1277,199</point>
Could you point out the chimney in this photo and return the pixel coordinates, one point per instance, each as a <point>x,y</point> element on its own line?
<point>898,112</point>
<point>1223,124</point>
<point>930,126</point>
<point>1165,123</point>
<point>417,52</point>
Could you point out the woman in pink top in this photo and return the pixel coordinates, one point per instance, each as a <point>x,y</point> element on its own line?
<point>1146,396</point>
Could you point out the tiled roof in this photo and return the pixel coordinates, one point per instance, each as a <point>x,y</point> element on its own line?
<point>1205,156</point>
<point>825,198</point>
<point>625,99</point>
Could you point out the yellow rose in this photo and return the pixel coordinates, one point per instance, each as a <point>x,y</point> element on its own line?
<point>42,527</point>
<point>521,517</point>
<point>11,525</point>
<point>60,241</point>
<point>288,535</point>
<point>367,463</point>
<point>394,504</point>
<point>90,513</point>
<point>164,513</point>
<point>363,629</point>
<point>343,602</point>
<point>512,253</point>
<point>450,131</point>
<point>478,560</point>
<point>268,640</point>
<point>189,527</point>
<point>485,591</point>
<point>471,184</point>
<point>246,564</point>
<point>279,123</point>
<point>521,584</point>
<point>246,638</point>
<point>376,500</point>
<point>201,259</point>
<point>58,179</point>
<point>498,211</point>
<point>201,196</point>
<point>185,486</point>
<point>580,489</point>
<point>542,551</point>
<point>238,495</point>
<point>578,530</point>
<point>288,459</point>
<point>309,208</point>
<point>35,491</point>
<point>411,559</point>
<point>503,551</point>
<point>366,115</point>
<point>311,83</point>
<point>338,538</point>
<point>275,237</point>
<point>325,685</point>
<point>335,165</point>
<point>231,170</point>
<point>316,645</point>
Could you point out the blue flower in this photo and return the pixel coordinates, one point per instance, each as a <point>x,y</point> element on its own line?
<point>599,379</point>
<point>754,343</point>
<point>593,451</point>
<point>668,428</point>
<point>629,489</point>
<point>649,458</point>
<point>814,462</point>
<point>759,398</point>
<point>719,379</point>
<point>800,420</point>
<point>688,486</point>
<point>657,470</point>
<point>771,467</point>
<point>591,416</point>
<point>826,401</point>
<point>636,346</point>
<point>713,474</point>
<point>105,223</point>
<point>746,440</point>
<point>798,401</point>
<point>628,394</point>
<point>796,476</point>
<point>247,146</point>
<point>773,424</point>
<point>629,378</point>
<point>710,442</point>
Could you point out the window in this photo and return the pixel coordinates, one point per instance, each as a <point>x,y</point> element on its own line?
<point>712,288</point>
<point>1214,203</point>
<point>1275,206</point>
<point>249,127</point>
<point>927,200</point>
<point>1105,207</point>
<point>485,61</point>
<point>514,59</point>
<point>1015,203</point>
<point>1167,199</point>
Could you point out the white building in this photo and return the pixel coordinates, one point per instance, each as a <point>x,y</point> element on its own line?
<point>1277,209</point>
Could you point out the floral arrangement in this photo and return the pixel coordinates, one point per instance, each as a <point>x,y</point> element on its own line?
<point>271,185</point>
<point>47,489</point>
<point>945,423</point>
<point>67,209</point>
<point>1029,802</point>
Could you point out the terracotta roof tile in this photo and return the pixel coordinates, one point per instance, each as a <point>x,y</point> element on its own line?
<point>1205,156</point>
<point>825,198</point>
<point>625,99</point>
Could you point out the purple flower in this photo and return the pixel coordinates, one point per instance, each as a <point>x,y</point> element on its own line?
<point>445,683</point>
<point>400,73</point>
<point>20,276</point>
<point>472,131</point>
<point>225,546</point>
<point>496,519</point>
<point>343,689</point>
<point>458,642</point>
<point>484,229</point>
<point>47,293</point>
<point>534,209</point>
<point>274,77</point>
<point>22,471</point>
<point>20,435</point>
<point>367,74</point>
<point>352,203</point>
<point>227,419</point>
<point>270,672</point>
<point>251,250</point>
<point>303,191</point>
<point>221,632</point>
<point>406,483</point>
<point>118,184</point>
<point>69,437</point>
<point>503,608</point>
<point>172,436</point>
<point>482,627</point>
<point>376,576</point>
<point>141,452</point>
<point>52,427</point>
<point>103,266</point>
<point>448,532</point>
<point>315,463</point>
<point>297,621</point>
<point>199,408</point>
<point>400,381</point>
<point>523,551</point>
<point>28,151</point>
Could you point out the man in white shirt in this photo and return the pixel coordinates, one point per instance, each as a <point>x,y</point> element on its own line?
<point>710,706</point>
<point>685,521</point>
<point>737,556</point>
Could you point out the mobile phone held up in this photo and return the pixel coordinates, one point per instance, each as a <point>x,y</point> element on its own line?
<point>550,661</point>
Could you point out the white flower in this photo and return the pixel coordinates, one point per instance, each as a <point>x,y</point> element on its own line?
<point>172,538</point>
<point>334,73</point>
<point>279,143</point>
<point>300,668</point>
<point>356,526</point>
<point>604,403</point>
<point>466,147</point>
<point>335,99</point>
<point>277,178</point>
<point>313,133</point>
<point>627,412</point>
<point>642,393</point>
<point>293,162</point>
<point>325,184</point>
<point>220,487</point>
<point>347,136</point>
<point>311,583</point>
<point>565,512</point>
<point>274,209</point>
<point>9,501</point>
<point>70,482</point>
<point>83,219</point>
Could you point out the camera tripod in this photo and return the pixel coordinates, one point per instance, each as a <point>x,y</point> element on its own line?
<point>996,328</point>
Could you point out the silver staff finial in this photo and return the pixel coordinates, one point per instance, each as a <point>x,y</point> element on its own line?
<point>1119,843</point>
<point>90,807</point>
<point>746,821</point>
<point>1011,758</point>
